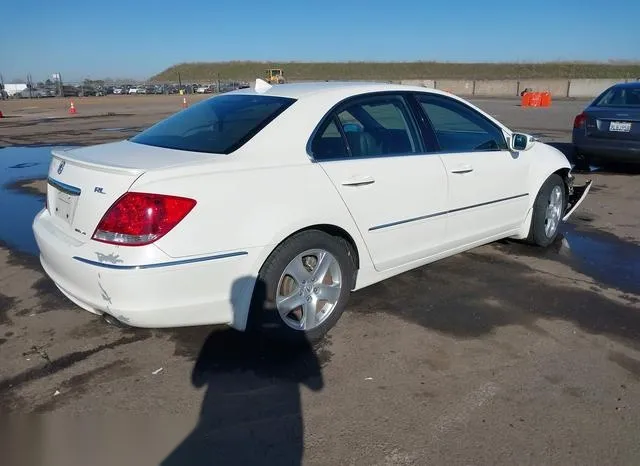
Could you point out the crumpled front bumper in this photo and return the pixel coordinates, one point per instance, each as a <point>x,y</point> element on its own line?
<point>577,194</point>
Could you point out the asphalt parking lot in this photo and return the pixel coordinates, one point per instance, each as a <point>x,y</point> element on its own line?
<point>505,354</point>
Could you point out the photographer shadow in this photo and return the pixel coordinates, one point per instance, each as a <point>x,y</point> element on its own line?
<point>251,413</point>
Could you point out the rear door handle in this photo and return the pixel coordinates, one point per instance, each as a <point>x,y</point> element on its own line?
<point>462,169</point>
<point>359,181</point>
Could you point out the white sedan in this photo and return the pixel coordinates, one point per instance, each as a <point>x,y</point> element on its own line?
<point>264,208</point>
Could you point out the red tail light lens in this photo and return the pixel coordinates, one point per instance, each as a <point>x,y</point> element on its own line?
<point>580,120</point>
<point>137,219</point>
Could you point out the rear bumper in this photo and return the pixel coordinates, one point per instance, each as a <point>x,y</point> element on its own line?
<point>607,149</point>
<point>163,293</point>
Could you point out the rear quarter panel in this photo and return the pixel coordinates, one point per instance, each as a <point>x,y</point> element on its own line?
<point>241,209</point>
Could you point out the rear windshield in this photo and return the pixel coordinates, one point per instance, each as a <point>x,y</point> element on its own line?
<point>217,125</point>
<point>620,97</point>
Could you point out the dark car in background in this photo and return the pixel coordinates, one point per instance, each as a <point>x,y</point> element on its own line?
<point>35,93</point>
<point>70,91</point>
<point>608,130</point>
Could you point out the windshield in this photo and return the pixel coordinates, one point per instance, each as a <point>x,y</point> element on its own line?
<point>620,97</point>
<point>217,125</point>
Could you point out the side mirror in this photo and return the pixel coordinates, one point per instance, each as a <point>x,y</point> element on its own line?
<point>520,142</point>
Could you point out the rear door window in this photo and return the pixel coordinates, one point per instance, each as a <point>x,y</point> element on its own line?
<point>217,125</point>
<point>379,126</point>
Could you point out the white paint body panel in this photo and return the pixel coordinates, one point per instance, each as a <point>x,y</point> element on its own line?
<point>248,202</point>
<point>492,176</point>
<point>419,187</point>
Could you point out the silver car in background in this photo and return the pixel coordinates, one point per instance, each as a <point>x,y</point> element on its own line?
<point>608,130</point>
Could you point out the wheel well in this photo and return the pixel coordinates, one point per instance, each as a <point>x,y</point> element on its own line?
<point>564,174</point>
<point>334,230</point>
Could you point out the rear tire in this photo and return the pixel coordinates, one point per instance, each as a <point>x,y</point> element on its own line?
<point>548,210</point>
<point>288,302</point>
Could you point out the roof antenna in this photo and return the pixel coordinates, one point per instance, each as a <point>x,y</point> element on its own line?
<point>262,86</point>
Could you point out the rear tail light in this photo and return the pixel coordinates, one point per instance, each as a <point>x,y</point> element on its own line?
<point>580,120</point>
<point>137,219</point>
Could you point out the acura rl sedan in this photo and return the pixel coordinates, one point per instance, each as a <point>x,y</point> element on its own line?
<point>265,207</point>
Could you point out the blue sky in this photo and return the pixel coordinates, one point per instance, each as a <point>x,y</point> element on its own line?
<point>138,38</point>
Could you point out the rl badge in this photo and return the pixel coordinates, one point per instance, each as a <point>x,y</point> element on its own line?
<point>61,167</point>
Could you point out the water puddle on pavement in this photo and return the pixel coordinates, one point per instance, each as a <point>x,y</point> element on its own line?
<point>20,200</point>
<point>600,255</point>
<point>605,257</point>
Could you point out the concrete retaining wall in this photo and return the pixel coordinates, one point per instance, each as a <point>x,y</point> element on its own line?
<point>496,88</point>
<point>459,87</point>
<point>557,87</point>
<point>418,82</point>
<point>590,87</point>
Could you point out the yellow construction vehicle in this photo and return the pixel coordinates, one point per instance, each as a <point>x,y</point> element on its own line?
<point>274,76</point>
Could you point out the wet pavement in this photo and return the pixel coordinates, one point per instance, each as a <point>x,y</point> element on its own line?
<point>607,259</point>
<point>19,205</point>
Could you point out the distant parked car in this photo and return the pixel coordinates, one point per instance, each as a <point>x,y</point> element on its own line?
<point>70,91</point>
<point>609,128</point>
<point>33,93</point>
<point>87,91</point>
<point>39,93</point>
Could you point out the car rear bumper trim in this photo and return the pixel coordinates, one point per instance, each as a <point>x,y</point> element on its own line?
<point>162,264</point>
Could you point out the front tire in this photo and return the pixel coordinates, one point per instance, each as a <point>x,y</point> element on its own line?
<point>303,287</point>
<point>548,209</point>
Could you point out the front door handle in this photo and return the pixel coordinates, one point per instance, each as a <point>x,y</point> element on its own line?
<point>359,181</point>
<point>462,169</point>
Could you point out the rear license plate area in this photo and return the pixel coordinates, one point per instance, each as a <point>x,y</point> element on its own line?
<point>620,126</point>
<point>62,200</point>
<point>65,206</point>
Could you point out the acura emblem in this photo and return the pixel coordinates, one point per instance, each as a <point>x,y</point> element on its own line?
<point>60,167</point>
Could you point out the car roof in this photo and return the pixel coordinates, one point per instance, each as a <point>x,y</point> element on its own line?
<point>305,89</point>
<point>631,84</point>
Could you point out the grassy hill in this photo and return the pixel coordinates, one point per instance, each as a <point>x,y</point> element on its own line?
<point>386,71</point>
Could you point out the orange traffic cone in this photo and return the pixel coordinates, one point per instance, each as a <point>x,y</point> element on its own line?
<point>72,109</point>
<point>184,102</point>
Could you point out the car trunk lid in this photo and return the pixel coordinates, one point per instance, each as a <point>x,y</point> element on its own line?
<point>613,123</point>
<point>83,183</point>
